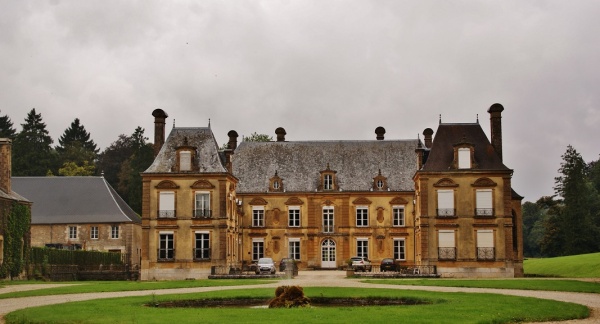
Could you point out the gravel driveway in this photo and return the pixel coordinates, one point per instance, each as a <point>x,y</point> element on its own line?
<point>304,279</point>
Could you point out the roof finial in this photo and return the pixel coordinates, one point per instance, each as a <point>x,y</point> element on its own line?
<point>173,122</point>
<point>477,118</point>
<point>209,123</point>
<point>440,119</point>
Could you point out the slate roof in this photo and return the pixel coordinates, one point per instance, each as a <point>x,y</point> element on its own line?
<point>441,154</point>
<point>12,196</point>
<point>208,158</point>
<point>73,200</point>
<point>299,163</point>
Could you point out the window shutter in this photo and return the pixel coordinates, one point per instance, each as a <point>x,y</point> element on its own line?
<point>446,238</point>
<point>167,201</point>
<point>485,238</point>
<point>484,198</point>
<point>464,158</point>
<point>445,199</point>
<point>185,161</point>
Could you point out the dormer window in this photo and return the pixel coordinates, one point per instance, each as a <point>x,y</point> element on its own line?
<point>328,181</point>
<point>185,161</point>
<point>185,158</point>
<point>380,182</point>
<point>464,158</point>
<point>276,183</point>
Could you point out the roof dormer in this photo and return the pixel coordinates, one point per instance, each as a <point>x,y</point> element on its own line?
<point>464,153</point>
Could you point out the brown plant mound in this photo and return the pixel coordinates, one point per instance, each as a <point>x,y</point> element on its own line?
<point>288,297</point>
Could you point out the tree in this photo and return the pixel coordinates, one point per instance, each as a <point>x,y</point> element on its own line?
<point>6,128</point>
<point>76,147</point>
<point>534,216</point>
<point>33,154</point>
<point>255,137</point>
<point>71,169</point>
<point>572,223</point>
<point>76,133</point>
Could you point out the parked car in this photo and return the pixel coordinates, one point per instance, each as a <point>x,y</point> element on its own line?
<point>388,264</point>
<point>288,261</point>
<point>265,265</point>
<point>361,264</point>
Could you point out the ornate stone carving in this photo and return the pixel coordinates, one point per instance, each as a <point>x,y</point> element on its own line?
<point>202,184</point>
<point>484,182</point>
<point>258,201</point>
<point>361,201</point>
<point>167,184</point>
<point>445,182</point>
<point>380,214</point>
<point>398,201</point>
<point>294,201</point>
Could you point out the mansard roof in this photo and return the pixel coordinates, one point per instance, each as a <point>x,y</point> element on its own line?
<point>441,154</point>
<point>73,200</point>
<point>202,139</point>
<point>299,164</point>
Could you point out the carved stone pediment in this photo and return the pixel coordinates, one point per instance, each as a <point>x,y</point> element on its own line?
<point>202,184</point>
<point>167,184</point>
<point>398,201</point>
<point>328,202</point>
<point>258,201</point>
<point>294,201</point>
<point>445,182</point>
<point>484,182</point>
<point>361,201</point>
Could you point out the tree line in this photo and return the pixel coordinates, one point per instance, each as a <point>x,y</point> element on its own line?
<point>77,155</point>
<point>568,222</point>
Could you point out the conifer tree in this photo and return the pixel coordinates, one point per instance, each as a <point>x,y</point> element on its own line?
<point>6,128</point>
<point>76,147</point>
<point>32,151</point>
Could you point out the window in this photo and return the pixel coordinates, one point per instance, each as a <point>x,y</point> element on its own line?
<point>258,216</point>
<point>379,184</point>
<point>94,232</point>
<point>362,247</point>
<point>484,202</point>
<point>185,161</point>
<point>294,216</point>
<point>464,158</point>
<point>294,248</point>
<point>399,249</point>
<point>202,205</point>
<point>166,204</point>
<point>328,182</point>
<point>114,231</point>
<point>327,219</point>
<point>258,249</point>
<point>166,251</point>
<point>72,232</point>
<point>276,184</point>
<point>202,246</point>
<point>445,203</point>
<point>446,245</point>
<point>398,216</point>
<point>362,216</point>
<point>485,245</point>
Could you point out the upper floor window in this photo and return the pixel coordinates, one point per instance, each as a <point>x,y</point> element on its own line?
<point>484,206</point>
<point>327,179</point>
<point>166,204</point>
<point>114,231</point>
<point>445,203</point>
<point>328,182</point>
<point>464,158</point>
<point>185,161</point>
<point>328,220</point>
<point>362,216</point>
<point>398,216</point>
<point>380,182</point>
<point>202,205</point>
<point>258,216</point>
<point>276,183</point>
<point>294,216</point>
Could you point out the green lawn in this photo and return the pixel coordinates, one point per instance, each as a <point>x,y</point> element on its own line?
<point>77,287</point>
<point>573,266</point>
<point>444,308</point>
<point>526,284</point>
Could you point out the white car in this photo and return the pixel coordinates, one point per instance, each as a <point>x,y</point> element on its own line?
<point>265,265</point>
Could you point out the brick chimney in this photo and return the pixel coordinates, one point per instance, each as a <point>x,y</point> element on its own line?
<point>380,132</point>
<point>5,165</point>
<point>231,146</point>
<point>427,133</point>
<point>495,112</point>
<point>280,132</point>
<point>159,129</point>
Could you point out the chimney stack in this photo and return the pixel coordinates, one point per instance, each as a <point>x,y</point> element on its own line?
<point>380,132</point>
<point>495,112</point>
<point>232,144</point>
<point>280,132</point>
<point>5,165</point>
<point>159,129</point>
<point>427,133</point>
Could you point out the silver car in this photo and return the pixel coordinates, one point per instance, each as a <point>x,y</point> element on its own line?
<point>265,265</point>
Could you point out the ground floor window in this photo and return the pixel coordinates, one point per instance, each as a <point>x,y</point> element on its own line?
<point>446,245</point>
<point>166,247</point>
<point>72,232</point>
<point>294,249</point>
<point>399,249</point>
<point>114,231</point>
<point>258,249</point>
<point>202,246</point>
<point>94,232</point>
<point>362,247</point>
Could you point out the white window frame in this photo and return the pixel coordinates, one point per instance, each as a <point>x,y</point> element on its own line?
<point>398,216</point>
<point>258,249</point>
<point>362,216</point>
<point>169,245</point>
<point>294,248</point>
<point>202,204</point>
<point>328,219</point>
<point>484,202</point>
<point>464,158</point>
<point>328,181</point>
<point>72,232</point>
<point>294,216</point>
<point>204,245</point>
<point>258,216</point>
<point>362,247</point>
<point>185,161</point>
<point>94,233</point>
<point>114,231</point>
<point>166,204</point>
<point>399,249</point>
<point>445,198</point>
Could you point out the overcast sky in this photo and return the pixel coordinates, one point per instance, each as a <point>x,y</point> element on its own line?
<point>323,70</point>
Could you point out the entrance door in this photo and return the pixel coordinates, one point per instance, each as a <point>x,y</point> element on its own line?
<point>328,254</point>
